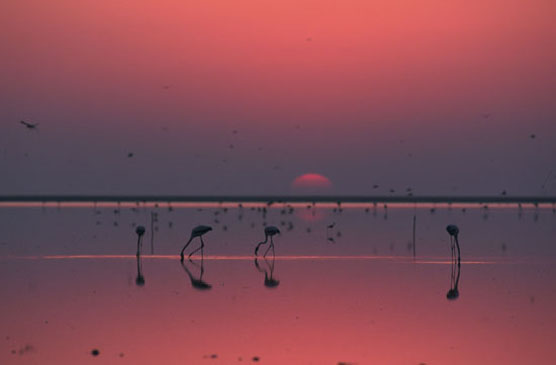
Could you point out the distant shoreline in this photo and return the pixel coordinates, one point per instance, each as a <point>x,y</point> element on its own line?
<point>274,199</point>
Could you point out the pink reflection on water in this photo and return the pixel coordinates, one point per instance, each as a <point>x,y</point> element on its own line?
<point>361,311</point>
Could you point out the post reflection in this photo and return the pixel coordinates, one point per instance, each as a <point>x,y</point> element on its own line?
<point>453,293</point>
<point>196,283</point>
<point>268,270</point>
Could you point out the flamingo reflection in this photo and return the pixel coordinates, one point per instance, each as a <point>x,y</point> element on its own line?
<point>140,279</point>
<point>453,293</point>
<point>196,283</point>
<point>268,270</point>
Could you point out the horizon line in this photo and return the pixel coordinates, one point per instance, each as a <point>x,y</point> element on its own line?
<point>274,199</point>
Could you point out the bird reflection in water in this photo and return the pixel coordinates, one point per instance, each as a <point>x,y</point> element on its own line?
<point>453,293</point>
<point>140,279</point>
<point>196,283</point>
<point>268,270</point>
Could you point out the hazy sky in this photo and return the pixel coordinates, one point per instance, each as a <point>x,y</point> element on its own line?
<point>240,97</point>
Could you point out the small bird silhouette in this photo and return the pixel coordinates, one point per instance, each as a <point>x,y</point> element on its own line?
<point>198,231</point>
<point>269,231</point>
<point>29,125</point>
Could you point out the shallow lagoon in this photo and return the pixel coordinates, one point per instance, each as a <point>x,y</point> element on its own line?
<point>69,281</point>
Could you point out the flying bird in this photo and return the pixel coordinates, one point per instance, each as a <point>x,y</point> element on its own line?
<point>29,125</point>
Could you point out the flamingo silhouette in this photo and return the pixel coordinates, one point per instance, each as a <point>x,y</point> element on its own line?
<point>198,231</point>
<point>140,230</point>
<point>269,231</point>
<point>453,231</point>
<point>269,280</point>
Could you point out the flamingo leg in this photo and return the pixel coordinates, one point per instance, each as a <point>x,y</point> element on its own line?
<point>199,248</point>
<point>269,247</point>
<point>184,247</point>
<point>138,246</point>
<point>459,253</point>
<point>194,251</point>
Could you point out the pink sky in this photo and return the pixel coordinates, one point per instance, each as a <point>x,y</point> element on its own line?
<point>431,95</point>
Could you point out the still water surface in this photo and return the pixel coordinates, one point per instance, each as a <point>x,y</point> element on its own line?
<point>352,293</point>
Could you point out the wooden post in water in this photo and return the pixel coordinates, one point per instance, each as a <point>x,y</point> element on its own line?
<point>152,232</point>
<point>414,223</point>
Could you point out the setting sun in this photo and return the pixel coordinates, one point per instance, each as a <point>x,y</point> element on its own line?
<point>311,183</point>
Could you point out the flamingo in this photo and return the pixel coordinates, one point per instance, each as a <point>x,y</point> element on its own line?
<point>198,231</point>
<point>453,231</point>
<point>453,293</point>
<point>140,230</point>
<point>269,231</point>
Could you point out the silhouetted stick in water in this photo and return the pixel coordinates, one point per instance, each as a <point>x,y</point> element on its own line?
<point>414,227</point>
<point>269,231</point>
<point>198,284</point>
<point>269,280</point>
<point>140,230</point>
<point>154,219</point>
<point>198,231</point>
<point>140,279</point>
